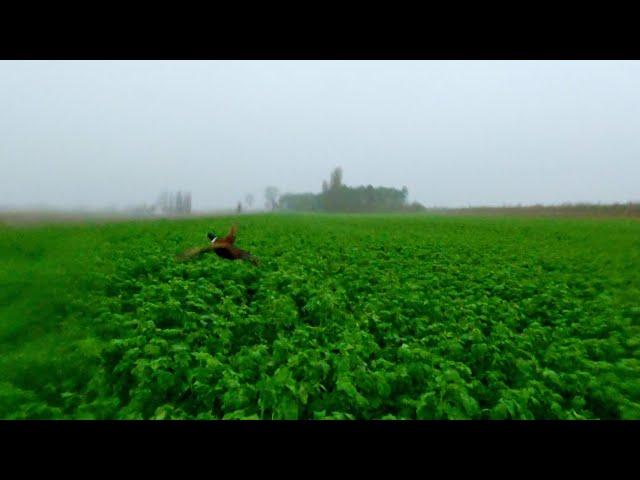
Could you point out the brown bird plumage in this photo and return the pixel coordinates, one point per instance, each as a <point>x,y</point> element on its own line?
<point>224,248</point>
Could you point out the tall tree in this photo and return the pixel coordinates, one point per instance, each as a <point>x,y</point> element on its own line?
<point>163,202</point>
<point>336,179</point>
<point>179,205</point>
<point>248,199</point>
<point>271,197</point>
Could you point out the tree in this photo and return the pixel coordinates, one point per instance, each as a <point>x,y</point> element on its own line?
<point>163,202</point>
<point>179,202</point>
<point>170,202</point>
<point>271,197</point>
<point>336,179</point>
<point>248,199</point>
<point>239,208</point>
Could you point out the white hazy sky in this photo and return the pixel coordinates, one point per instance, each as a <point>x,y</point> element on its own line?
<point>456,133</point>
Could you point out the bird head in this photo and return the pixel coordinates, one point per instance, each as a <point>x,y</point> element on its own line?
<point>211,236</point>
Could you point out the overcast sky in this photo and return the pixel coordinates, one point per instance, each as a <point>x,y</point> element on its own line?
<point>456,133</point>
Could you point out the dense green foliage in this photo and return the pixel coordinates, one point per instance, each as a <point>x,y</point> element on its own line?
<point>350,200</point>
<point>347,317</point>
<point>339,198</point>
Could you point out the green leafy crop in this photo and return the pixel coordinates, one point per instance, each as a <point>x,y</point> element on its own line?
<point>347,317</point>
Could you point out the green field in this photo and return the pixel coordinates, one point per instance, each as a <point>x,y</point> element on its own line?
<point>347,317</point>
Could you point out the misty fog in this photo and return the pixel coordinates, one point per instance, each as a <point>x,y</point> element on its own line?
<point>98,134</point>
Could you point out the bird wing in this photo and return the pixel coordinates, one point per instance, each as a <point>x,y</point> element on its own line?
<point>231,236</point>
<point>195,252</point>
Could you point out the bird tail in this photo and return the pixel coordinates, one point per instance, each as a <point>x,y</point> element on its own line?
<point>247,256</point>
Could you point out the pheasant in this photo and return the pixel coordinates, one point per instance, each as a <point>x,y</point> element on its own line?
<point>224,248</point>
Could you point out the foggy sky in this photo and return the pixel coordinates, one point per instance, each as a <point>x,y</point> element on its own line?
<point>456,133</point>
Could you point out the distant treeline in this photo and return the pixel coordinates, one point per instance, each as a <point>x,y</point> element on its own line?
<point>337,197</point>
<point>174,203</point>
<point>631,209</point>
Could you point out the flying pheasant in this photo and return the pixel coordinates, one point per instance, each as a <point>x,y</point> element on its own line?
<point>222,247</point>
